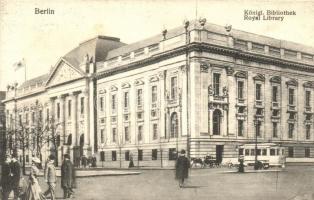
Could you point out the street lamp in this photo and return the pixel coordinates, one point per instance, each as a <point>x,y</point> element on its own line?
<point>256,124</point>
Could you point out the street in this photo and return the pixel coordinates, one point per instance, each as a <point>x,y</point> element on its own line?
<point>296,182</point>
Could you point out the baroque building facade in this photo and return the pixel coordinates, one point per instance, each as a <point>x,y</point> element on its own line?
<point>200,87</point>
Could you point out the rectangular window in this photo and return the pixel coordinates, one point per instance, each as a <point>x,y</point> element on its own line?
<point>290,152</point>
<point>140,132</point>
<point>154,154</point>
<point>114,134</point>
<point>258,129</point>
<point>33,117</point>
<point>272,152</point>
<point>241,152</point>
<point>127,155</point>
<point>307,152</point>
<point>139,97</point>
<point>113,102</point>
<point>275,94</point>
<point>240,89</point>
<point>173,87</point>
<point>247,152</point>
<point>114,155</point>
<point>240,128</point>
<point>126,134</point>
<point>27,119</point>
<point>101,103</point>
<point>291,96</point>
<point>47,114</point>
<point>102,156</point>
<point>155,131</point>
<point>172,154</point>
<point>275,131</point>
<point>308,98</point>
<point>264,152</point>
<point>216,84</point>
<point>20,119</point>
<point>308,131</point>
<point>126,99</point>
<point>102,136</point>
<point>291,128</point>
<point>40,116</point>
<point>154,94</point>
<point>69,108</point>
<point>82,105</point>
<point>258,91</point>
<point>140,155</point>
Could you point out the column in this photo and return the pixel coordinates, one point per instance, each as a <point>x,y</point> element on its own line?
<point>74,119</point>
<point>162,98</point>
<point>232,99</point>
<point>86,123</point>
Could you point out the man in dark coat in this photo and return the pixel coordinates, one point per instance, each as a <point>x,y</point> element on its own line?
<point>67,177</point>
<point>182,168</point>
<point>6,180</point>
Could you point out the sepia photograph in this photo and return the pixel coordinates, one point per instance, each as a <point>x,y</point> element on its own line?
<point>159,100</point>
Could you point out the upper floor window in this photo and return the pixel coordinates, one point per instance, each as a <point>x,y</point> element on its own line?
<point>102,136</point>
<point>126,133</point>
<point>216,122</point>
<point>291,96</point>
<point>69,108</point>
<point>290,131</point>
<point>155,131</point>
<point>33,117</point>
<point>20,119</point>
<point>240,128</point>
<point>126,99</point>
<point>216,84</point>
<point>174,87</point>
<point>101,103</point>
<point>114,134</point>
<point>47,114</point>
<point>113,102</point>
<point>275,94</point>
<point>240,89</point>
<point>154,94</point>
<point>308,98</point>
<point>308,131</point>
<point>40,116</point>
<point>139,97</point>
<point>26,119</point>
<point>275,129</point>
<point>82,105</point>
<point>258,92</point>
<point>140,133</point>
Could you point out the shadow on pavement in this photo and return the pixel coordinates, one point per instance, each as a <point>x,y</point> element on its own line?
<point>193,186</point>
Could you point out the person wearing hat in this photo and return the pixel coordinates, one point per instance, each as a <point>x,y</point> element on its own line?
<point>182,168</point>
<point>67,176</point>
<point>6,178</point>
<point>33,190</point>
<point>50,177</point>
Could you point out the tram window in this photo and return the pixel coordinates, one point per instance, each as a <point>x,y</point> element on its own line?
<point>252,152</point>
<point>247,152</point>
<point>272,152</point>
<point>282,152</point>
<point>240,152</point>
<point>258,152</point>
<point>278,152</point>
<point>264,152</point>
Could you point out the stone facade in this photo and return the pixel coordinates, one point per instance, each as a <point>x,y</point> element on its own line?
<point>204,88</point>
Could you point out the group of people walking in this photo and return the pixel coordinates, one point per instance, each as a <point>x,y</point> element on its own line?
<point>29,188</point>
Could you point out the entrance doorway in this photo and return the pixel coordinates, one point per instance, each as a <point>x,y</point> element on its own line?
<point>219,153</point>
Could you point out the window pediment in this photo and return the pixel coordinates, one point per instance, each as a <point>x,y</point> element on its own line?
<point>259,77</point>
<point>102,91</point>
<point>153,79</point>
<point>139,82</point>
<point>308,84</point>
<point>241,74</point>
<point>292,82</point>
<point>113,88</point>
<point>125,85</point>
<point>275,79</point>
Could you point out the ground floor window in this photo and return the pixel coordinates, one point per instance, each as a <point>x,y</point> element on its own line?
<point>140,154</point>
<point>127,155</point>
<point>27,158</point>
<point>154,154</point>
<point>172,154</point>
<point>307,152</point>
<point>290,152</point>
<point>102,156</point>
<point>114,155</point>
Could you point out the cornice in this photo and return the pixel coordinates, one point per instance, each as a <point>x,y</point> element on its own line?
<point>203,47</point>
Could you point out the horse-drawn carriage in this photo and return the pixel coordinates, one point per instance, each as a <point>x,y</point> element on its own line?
<point>207,161</point>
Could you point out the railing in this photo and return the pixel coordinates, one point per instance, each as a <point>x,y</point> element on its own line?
<point>308,108</point>
<point>258,103</point>
<point>275,105</point>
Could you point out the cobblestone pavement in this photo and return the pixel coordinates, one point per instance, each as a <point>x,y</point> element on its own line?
<point>295,183</point>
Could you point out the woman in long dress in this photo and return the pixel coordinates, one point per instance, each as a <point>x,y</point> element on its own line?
<point>33,191</point>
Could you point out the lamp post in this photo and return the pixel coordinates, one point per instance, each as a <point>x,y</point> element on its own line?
<point>256,124</point>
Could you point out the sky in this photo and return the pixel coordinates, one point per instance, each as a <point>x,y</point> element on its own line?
<point>42,39</point>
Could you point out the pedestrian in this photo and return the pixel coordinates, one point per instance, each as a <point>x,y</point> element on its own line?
<point>6,179</point>
<point>67,177</point>
<point>182,168</point>
<point>15,169</point>
<point>131,163</point>
<point>241,165</point>
<point>94,161</point>
<point>50,177</point>
<point>84,161</point>
<point>33,191</point>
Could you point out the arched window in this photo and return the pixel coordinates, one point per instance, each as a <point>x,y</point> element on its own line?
<point>174,125</point>
<point>216,122</point>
